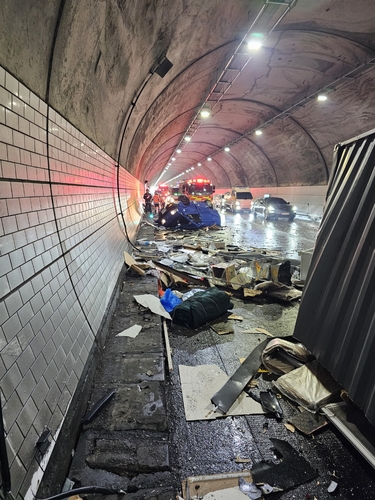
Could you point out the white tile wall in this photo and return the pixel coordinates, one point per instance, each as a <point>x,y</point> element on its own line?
<point>61,250</point>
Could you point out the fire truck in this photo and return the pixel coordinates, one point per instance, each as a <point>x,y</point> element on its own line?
<point>195,189</point>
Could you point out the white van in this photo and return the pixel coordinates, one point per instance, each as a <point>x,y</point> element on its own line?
<point>238,199</point>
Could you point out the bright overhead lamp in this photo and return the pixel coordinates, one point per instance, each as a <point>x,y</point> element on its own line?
<point>255,42</point>
<point>199,164</point>
<point>258,132</point>
<point>187,138</point>
<point>205,112</point>
<point>173,159</point>
<point>227,149</point>
<point>322,97</point>
<point>209,159</point>
<point>192,168</point>
<point>178,151</point>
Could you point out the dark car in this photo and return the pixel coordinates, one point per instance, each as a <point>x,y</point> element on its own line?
<point>273,208</point>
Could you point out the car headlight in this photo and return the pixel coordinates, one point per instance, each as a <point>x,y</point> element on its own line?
<point>172,212</point>
<point>163,222</point>
<point>294,209</point>
<point>271,209</point>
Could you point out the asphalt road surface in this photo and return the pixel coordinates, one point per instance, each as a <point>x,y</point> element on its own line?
<point>236,443</point>
<point>289,238</point>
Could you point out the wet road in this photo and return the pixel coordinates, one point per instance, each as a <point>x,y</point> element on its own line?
<point>289,238</point>
<point>218,446</point>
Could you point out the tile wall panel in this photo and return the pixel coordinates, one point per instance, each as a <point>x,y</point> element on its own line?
<point>62,237</point>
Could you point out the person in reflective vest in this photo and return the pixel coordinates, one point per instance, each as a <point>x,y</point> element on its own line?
<point>156,202</point>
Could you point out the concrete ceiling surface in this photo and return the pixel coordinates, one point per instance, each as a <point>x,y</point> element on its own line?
<point>94,62</point>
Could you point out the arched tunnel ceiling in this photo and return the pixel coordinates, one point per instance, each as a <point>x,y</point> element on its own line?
<point>94,61</point>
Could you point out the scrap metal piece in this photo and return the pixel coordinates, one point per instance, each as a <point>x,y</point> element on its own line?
<point>228,394</point>
<point>292,470</point>
<point>97,407</point>
<point>270,403</point>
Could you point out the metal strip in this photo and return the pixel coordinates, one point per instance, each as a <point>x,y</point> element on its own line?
<point>230,391</point>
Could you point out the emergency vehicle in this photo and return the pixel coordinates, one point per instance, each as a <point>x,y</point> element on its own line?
<point>195,189</point>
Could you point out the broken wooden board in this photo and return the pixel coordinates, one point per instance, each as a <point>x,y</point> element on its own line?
<point>254,331</point>
<point>249,292</point>
<point>236,317</point>
<point>233,493</point>
<point>203,485</point>
<point>198,384</point>
<point>132,264</point>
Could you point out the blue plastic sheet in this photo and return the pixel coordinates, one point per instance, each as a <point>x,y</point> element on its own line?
<point>170,300</point>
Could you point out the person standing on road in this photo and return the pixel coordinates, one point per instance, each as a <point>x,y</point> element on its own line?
<point>148,198</point>
<point>156,202</point>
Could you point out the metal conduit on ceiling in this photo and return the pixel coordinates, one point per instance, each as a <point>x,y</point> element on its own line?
<point>336,315</point>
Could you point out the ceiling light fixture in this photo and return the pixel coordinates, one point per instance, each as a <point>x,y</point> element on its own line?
<point>258,132</point>
<point>178,151</point>
<point>199,164</point>
<point>187,138</point>
<point>322,97</point>
<point>173,159</point>
<point>255,42</point>
<point>205,112</point>
<point>209,159</point>
<point>227,149</point>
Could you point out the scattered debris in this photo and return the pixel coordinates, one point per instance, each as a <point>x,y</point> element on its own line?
<point>290,427</point>
<point>198,486</point>
<point>235,317</point>
<point>308,422</point>
<point>227,395</point>
<point>167,345</point>
<point>270,403</point>
<point>240,460</point>
<point>97,407</point>
<point>153,303</point>
<point>332,487</point>
<point>221,327</point>
<point>292,470</point>
<point>130,332</point>
<point>282,356</point>
<point>197,384</point>
<point>249,489</point>
<point>311,386</point>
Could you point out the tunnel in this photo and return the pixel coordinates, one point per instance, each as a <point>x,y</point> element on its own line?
<point>98,98</point>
